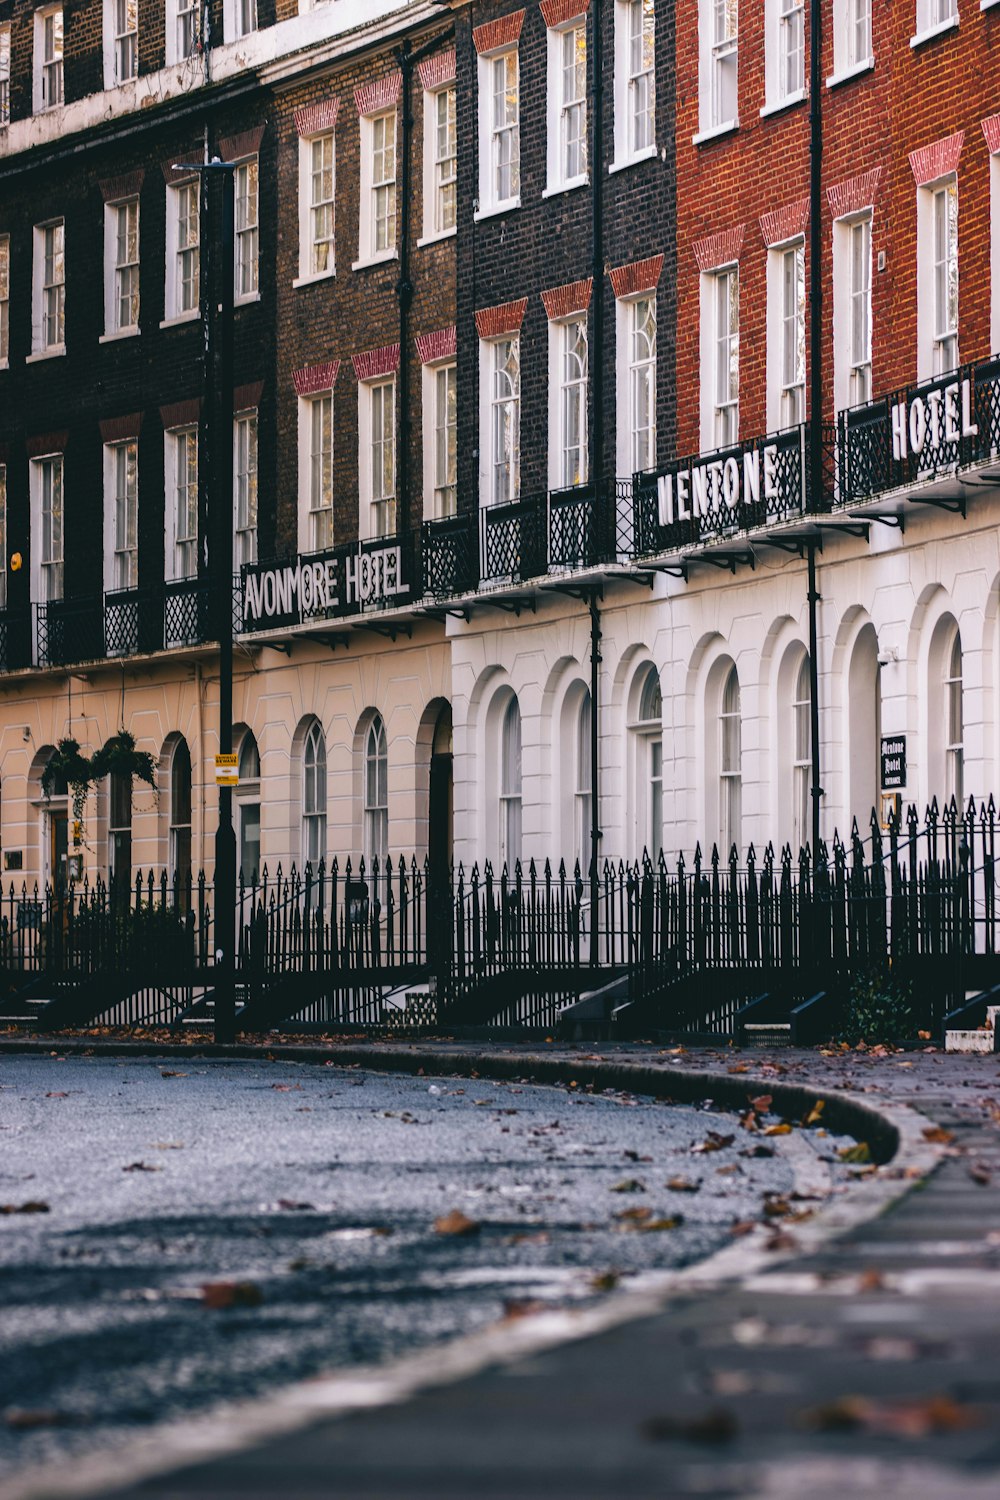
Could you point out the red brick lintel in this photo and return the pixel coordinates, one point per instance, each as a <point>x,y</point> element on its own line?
<point>314,378</point>
<point>637,277</point>
<point>719,249</point>
<point>856,193</point>
<point>938,160</point>
<point>375,362</point>
<point>783,224</point>
<point>494,322</point>
<point>442,344</point>
<point>564,301</point>
<point>121,429</point>
<point>500,33</point>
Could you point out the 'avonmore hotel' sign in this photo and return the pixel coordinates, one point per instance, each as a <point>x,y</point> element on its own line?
<point>922,434</point>
<point>365,575</point>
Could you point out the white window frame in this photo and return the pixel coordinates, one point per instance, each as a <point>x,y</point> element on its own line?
<point>800,739</point>
<point>48,57</point>
<point>4,75</point>
<point>510,786</point>
<point>4,301</point>
<point>376,448</point>
<point>239,18</point>
<point>121,47</point>
<point>48,290</point>
<point>646,738</point>
<point>720,410</point>
<point>499,405</point>
<point>718,67</point>
<point>373,184</point>
<point>120,275</point>
<point>183,31</point>
<point>440,438</point>
<point>786,335</point>
<point>178,195</point>
<point>937,344</point>
<point>784,54</point>
<point>375,783</point>
<point>631,86</point>
<point>246,227</point>
<point>46,485</point>
<point>310,206</point>
<point>245,487</point>
<point>994,251</point>
<point>853,51</point>
<point>954,720</point>
<point>314,795</point>
<point>567,107</point>
<point>316,458</point>
<point>121,516</point>
<point>583,782</point>
<point>181,795</point>
<point>491,133</point>
<point>730,765</point>
<point>569,376</point>
<point>180,557</point>
<point>933,18</point>
<point>635,372</point>
<point>852,310</point>
<point>440,167</point>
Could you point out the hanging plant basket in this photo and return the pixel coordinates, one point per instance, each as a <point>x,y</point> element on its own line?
<point>67,763</point>
<point>119,757</point>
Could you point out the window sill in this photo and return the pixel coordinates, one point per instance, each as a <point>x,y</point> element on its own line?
<point>646,154</point>
<point>496,208</point>
<point>799,97</point>
<point>566,187</point>
<point>988,4</point>
<point>314,277</point>
<point>56,352</point>
<point>715,133</point>
<point>921,37</point>
<point>449,234</point>
<point>375,260</point>
<point>118,333</point>
<point>239,302</point>
<point>855,71</point>
<point>188,317</point>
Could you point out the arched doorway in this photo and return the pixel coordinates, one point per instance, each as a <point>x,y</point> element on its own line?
<point>441,802</point>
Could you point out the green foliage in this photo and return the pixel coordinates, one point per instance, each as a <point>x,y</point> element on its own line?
<point>879,1009</point>
<point>117,756</point>
<point>67,763</point>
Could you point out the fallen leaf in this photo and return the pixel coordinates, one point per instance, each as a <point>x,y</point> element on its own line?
<point>781,1241</point>
<point>923,1036</point>
<point>907,1419</point>
<point>223,1294</point>
<point>605,1282</point>
<point>857,1155</point>
<point>783,1129</point>
<point>634,1156</point>
<point>759,1150</point>
<point>871,1280</point>
<point>815,1114</point>
<point>980,1173</point>
<point>456,1224</point>
<point>683,1185</point>
<point>166,1073</point>
<point>762,1104</point>
<point>629,1185</point>
<point>714,1426</point>
<point>713,1142</point>
<point>33,1206</point>
<point>632,1216</point>
<point>654,1226</point>
<point>140,1166</point>
<point>742,1227</point>
<point>739,1068</point>
<point>938,1136</point>
<point>57,1094</point>
<point>527,1307</point>
<point>167,1146</point>
<point>291,1205</point>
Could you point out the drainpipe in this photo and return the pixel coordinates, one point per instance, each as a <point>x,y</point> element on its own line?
<point>595,801</point>
<point>407,59</point>
<point>815,379</point>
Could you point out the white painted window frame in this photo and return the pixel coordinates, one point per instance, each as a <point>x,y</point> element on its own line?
<point>179,566</point>
<point>626,151</point>
<point>568,389</point>
<point>995,252</point>
<point>118,275</point>
<point>491,399</point>
<point>48,297</point>
<point>439,176</point>
<point>784,54</point>
<point>121,507</point>
<point>121,48</point>
<point>565,116</point>
<point>491,201</point>
<point>440,499</point>
<point>4,75</point>
<point>375,784</point>
<point>4,301</point>
<point>629,361</point>
<point>172,300</point>
<point>717,430</point>
<point>316,521</point>
<point>784,409</point>
<point>718,67</point>
<point>48,59</point>
<point>245,487</point>
<point>308,206</point>
<point>47,538</point>
<point>933,18</point>
<point>852,319</point>
<point>183,31</point>
<point>377,501</point>
<point>246,255</point>
<point>937,346</point>
<point>510,786</point>
<point>239,18</point>
<point>368,253</point>
<point>853,46</point>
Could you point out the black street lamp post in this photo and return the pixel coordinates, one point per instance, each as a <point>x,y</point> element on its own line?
<point>216,542</point>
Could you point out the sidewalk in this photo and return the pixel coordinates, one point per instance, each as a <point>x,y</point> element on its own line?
<point>867,1366</point>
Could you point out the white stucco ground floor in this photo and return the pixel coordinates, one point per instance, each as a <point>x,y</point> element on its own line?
<point>469,733</point>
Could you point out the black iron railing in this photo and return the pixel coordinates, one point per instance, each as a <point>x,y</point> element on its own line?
<point>513,540</point>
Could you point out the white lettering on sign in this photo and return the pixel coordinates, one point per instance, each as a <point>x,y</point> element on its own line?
<point>373,576</point>
<point>934,418</point>
<point>284,591</point>
<point>704,489</point>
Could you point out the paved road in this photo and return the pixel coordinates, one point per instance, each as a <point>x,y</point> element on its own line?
<point>319,1187</point>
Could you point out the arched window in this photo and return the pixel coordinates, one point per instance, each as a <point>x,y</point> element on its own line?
<point>584,794</point>
<point>954,749</point>
<point>864,728</point>
<point>376,793</point>
<point>802,755</point>
<point>248,810</point>
<point>510,785</point>
<point>730,765</point>
<point>314,796</point>
<point>180,813</point>
<point>120,828</point>
<point>648,732</point>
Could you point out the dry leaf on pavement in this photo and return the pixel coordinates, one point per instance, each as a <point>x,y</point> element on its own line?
<point>456,1224</point>
<point>223,1294</point>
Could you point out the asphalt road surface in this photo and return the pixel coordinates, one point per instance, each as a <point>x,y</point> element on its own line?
<point>315,1191</point>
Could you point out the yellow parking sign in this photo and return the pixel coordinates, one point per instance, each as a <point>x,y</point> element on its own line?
<point>227,770</point>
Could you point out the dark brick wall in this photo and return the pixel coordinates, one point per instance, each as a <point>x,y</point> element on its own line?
<point>548,242</point>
